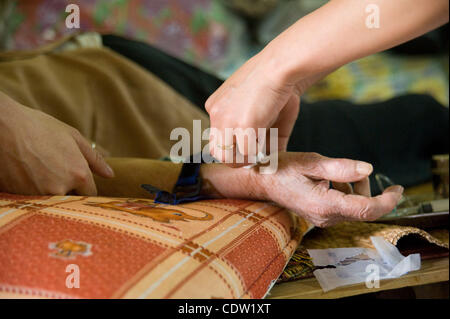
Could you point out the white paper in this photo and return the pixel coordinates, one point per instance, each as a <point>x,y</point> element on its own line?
<point>356,265</point>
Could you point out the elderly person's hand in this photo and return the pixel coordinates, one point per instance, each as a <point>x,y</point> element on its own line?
<point>302,184</point>
<point>41,155</point>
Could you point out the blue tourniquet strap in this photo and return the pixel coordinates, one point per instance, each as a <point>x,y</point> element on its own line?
<point>186,189</point>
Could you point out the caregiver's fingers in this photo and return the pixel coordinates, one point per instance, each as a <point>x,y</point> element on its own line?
<point>87,185</point>
<point>222,146</point>
<point>361,208</point>
<point>94,159</point>
<point>362,187</point>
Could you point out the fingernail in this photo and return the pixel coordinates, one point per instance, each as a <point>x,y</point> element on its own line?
<point>109,170</point>
<point>364,168</point>
<point>398,189</point>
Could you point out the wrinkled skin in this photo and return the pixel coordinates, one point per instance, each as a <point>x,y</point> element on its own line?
<point>302,184</point>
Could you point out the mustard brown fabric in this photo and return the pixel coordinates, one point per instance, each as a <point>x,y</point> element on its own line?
<point>112,101</point>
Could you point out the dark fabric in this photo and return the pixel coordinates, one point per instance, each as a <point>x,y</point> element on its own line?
<point>434,42</point>
<point>398,136</point>
<point>189,81</point>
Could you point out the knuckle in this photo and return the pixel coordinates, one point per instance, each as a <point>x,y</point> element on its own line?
<point>74,132</point>
<point>313,155</point>
<point>211,109</point>
<point>244,122</point>
<point>208,105</point>
<point>57,189</point>
<point>337,166</point>
<point>329,216</point>
<point>80,175</point>
<point>313,163</point>
<point>324,213</point>
<point>366,212</point>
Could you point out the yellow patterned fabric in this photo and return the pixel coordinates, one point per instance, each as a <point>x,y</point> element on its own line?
<point>300,266</point>
<point>125,110</point>
<point>357,234</point>
<point>383,76</point>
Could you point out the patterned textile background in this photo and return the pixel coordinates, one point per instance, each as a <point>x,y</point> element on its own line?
<point>134,248</point>
<point>383,76</point>
<point>199,31</point>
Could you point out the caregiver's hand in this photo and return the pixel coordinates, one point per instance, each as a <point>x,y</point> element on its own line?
<point>255,96</point>
<point>302,184</point>
<point>41,155</point>
<point>265,92</point>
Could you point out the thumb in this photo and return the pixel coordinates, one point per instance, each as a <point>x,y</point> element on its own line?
<point>334,169</point>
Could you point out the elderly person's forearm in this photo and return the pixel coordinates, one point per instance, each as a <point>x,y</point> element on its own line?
<point>301,184</point>
<point>218,181</point>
